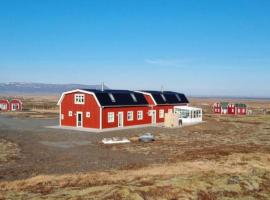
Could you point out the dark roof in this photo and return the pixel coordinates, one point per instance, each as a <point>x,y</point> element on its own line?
<point>167,97</point>
<point>118,97</point>
<point>224,105</point>
<point>240,105</point>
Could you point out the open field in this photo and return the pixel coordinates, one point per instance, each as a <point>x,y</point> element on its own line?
<point>224,158</point>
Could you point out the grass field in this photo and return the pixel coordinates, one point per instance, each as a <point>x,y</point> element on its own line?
<point>224,158</point>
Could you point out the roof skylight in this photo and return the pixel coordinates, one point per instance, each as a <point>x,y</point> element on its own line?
<point>133,97</point>
<point>178,97</point>
<point>163,97</point>
<point>112,97</point>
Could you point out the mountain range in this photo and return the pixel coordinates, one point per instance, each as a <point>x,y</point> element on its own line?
<point>42,88</point>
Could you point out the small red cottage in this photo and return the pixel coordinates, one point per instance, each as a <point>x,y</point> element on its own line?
<point>230,108</point>
<point>101,109</point>
<point>15,105</point>
<point>4,105</point>
<point>220,108</point>
<point>241,109</point>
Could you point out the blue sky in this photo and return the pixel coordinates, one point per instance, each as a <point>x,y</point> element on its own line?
<point>197,47</point>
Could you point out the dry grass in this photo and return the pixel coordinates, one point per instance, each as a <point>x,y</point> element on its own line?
<point>8,151</point>
<point>202,179</point>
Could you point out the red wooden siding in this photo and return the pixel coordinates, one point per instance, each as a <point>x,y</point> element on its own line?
<point>146,119</point>
<point>90,105</point>
<point>217,108</point>
<point>5,102</point>
<point>16,102</point>
<point>231,109</point>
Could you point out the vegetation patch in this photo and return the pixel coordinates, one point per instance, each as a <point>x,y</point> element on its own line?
<point>8,151</point>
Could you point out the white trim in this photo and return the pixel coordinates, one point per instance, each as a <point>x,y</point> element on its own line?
<point>79,112</point>
<point>132,115</point>
<point>77,90</point>
<point>60,110</point>
<point>146,93</point>
<point>88,114</point>
<point>16,100</point>
<point>122,114</point>
<point>110,119</point>
<point>81,97</point>
<point>140,111</point>
<point>100,117</point>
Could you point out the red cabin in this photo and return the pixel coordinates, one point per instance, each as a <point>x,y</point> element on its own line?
<point>231,109</point>
<point>217,108</point>
<point>241,109</point>
<point>15,105</point>
<point>101,109</point>
<point>4,105</point>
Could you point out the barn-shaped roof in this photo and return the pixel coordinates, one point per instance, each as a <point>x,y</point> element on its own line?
<point>166,97</point>
<point>118,97</point>
<point>109,98</point>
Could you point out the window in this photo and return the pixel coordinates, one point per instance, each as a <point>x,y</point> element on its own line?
<point>140,115</point>
<point>3,106</point>
<point>70,113</point>
<point>178,97</point>
<point>110,117</point>
<point>163,97</point>
<point>130,115</point>
<point>62,116</point>
<point>239,110</point>
<point>133,97</point>
<point>88,114</point>
<point>79,98</point>
<point>161,113</point>
<point>112,97</point>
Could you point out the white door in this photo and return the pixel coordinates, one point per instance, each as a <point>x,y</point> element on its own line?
<point>79,119</point>
<point>154,117</point>
<point>120,119</point>
<point>14,106</point>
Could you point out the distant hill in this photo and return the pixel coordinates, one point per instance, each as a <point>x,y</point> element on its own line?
<point>39,88</point>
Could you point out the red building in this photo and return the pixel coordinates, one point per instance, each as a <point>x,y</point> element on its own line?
<point>241,109</point>
<point>13,105</point>
<point>230,108</point>
<point>162,102</point>
<point>217,108</point>
<point>4,105</point>
<point>101,109</point>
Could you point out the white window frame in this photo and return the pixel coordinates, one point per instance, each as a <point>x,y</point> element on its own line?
<point>79,98</point>
<point>161,114</point>
<point>110,117</point>
<point>62,116</point>
<point>70,113</point>
<point>88,114</point>
<point>130,115</point>
<point>140,115</point>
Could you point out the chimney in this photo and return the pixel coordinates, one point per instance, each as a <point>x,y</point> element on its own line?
<point>102,86</point>
<point>162,89</point>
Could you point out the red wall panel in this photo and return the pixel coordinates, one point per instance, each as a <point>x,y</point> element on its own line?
<point>146,119</point>
<point>90,105</point>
